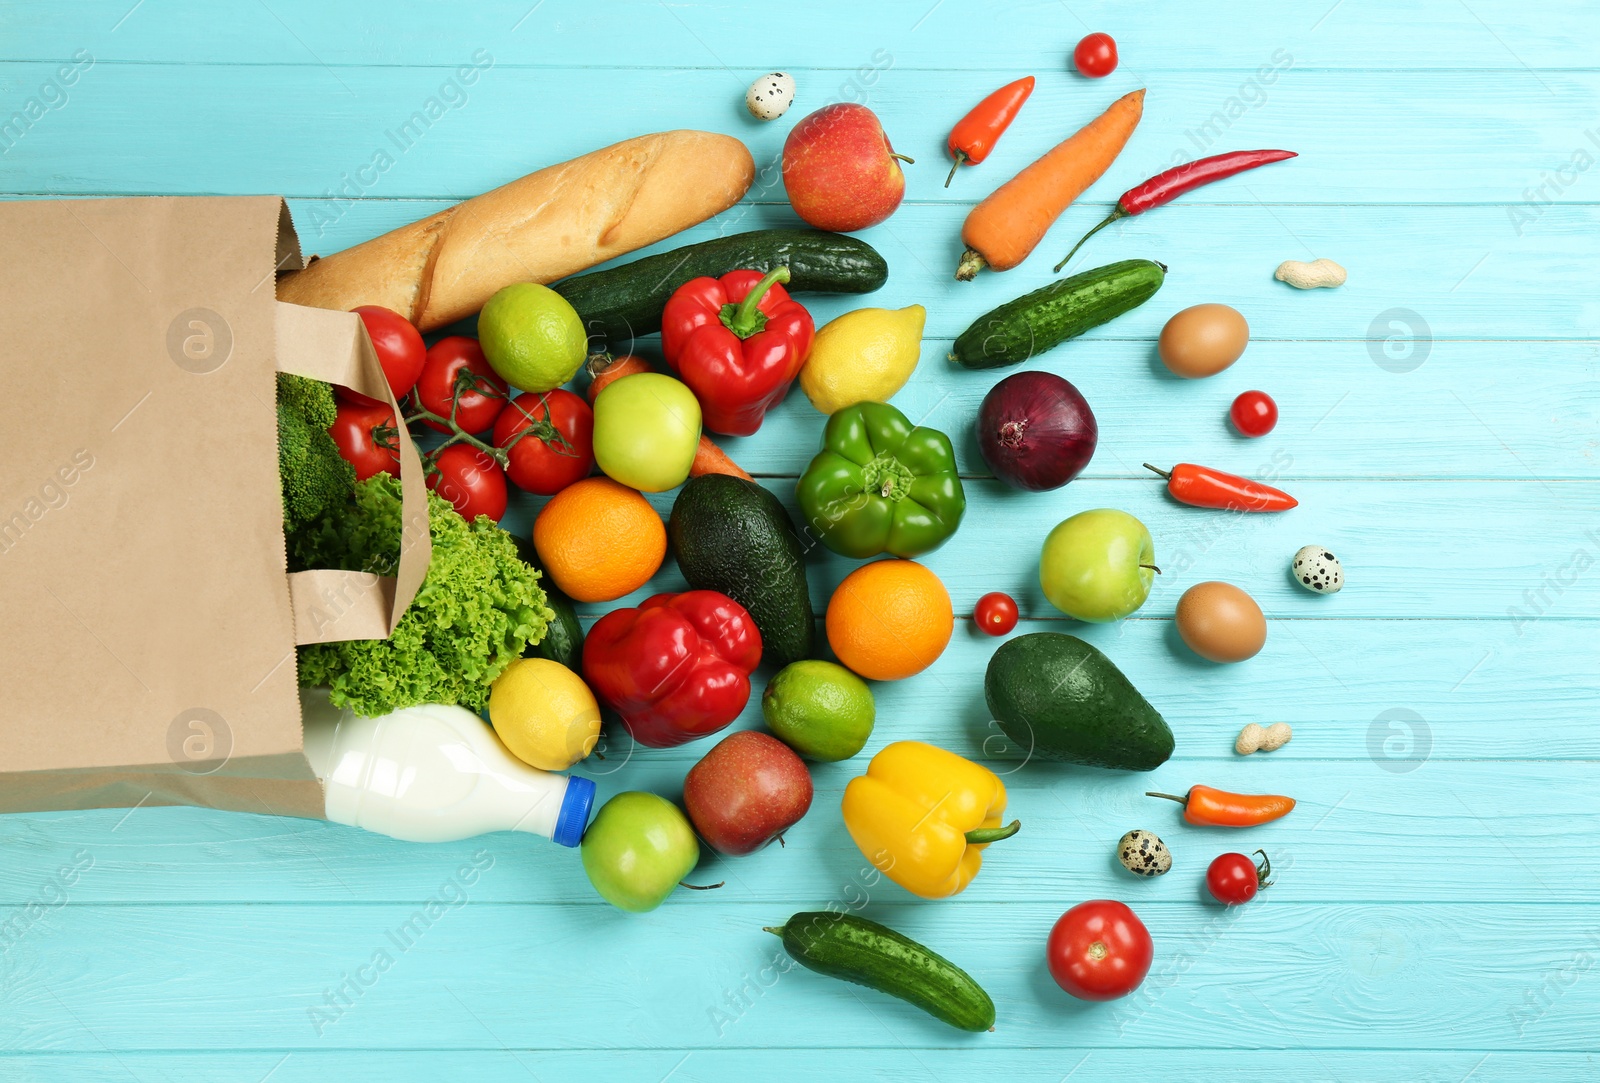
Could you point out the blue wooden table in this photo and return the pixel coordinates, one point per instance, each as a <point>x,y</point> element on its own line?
<point>1434,915</point>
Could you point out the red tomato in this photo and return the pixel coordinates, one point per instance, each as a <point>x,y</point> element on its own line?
<point>399,348</point>
<point>1096,56</point>
<point>559,447</point>
<point>363,443</point>
<point>1254,413</point>
<point>471,481</point>
<point>1099,950</point>
<point>995,613</point>
<point>1233,878</point>
<point>478,396</point>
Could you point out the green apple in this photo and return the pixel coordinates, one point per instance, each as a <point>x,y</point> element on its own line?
<point>1097,566</point>
<point>646,431</point>
<point>637,850</point>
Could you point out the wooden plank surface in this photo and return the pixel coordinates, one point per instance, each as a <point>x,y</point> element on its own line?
<point>1435,911</point>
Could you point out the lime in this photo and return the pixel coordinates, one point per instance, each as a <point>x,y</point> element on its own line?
<point>544,713</point>
<point>819,709</point>
<point>532,337</point>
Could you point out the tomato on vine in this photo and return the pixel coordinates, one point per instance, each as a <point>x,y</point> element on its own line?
<point>399,348</point>
<point>456,376</point>
<point>472,481</point>
<point>367,438</point>
<point>548,440</point>
<point>1233,879</point>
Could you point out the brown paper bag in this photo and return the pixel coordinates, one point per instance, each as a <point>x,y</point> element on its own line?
<point>147,624</point>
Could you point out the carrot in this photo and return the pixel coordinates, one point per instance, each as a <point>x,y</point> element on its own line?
<point>604,369</point>
<point>708,457</point>
<point>1003,229</point>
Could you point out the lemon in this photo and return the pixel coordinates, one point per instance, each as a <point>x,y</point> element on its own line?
<point>544,713</point>
<point>819,709</point>
<point>863,356</point>
<point>531,336</point>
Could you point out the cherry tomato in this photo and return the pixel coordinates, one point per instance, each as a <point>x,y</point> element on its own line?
<point>399,348</point>
<point>479,397</point>
<point>559,446</point>
<point>1099,950</point>
<point>1233,878</point>
<point>995,613</point>
<point>471,481</point>
<point>1096,56</point>
<point>1254,413</point>
<point>363,442</point>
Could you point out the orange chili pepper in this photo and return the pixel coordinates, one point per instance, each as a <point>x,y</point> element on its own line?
<point>1210,807</point>
<point>975,134</point>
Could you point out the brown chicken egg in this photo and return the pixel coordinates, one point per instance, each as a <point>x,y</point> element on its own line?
<point>1220,622</point>
<point>1203,340</point>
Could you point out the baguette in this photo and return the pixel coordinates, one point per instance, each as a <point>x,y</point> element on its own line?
<point>542,227</point>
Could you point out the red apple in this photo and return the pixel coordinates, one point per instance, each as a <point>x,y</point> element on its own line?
<point>746,792</point>
<point>839,169</point>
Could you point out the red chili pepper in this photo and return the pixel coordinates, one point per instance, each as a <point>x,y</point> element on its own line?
<point>1204,487</point>
<point>975,134</point>
<point>1209,807</point>
<point>1169,184</point>
<point>676,668</point>
<point>738,341</point>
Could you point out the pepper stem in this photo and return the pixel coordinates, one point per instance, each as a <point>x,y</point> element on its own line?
<point>955,165</point>
<point>1168,796</point>
<point>979,836</point>
<point>1118,212</point>
<point>745,319</point>
<point>1164,473</point>
<point>971,263</point>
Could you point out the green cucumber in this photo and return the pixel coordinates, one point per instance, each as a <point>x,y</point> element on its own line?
<point>626,302</point>
<point>866,953</point>
<point>1047,317</point>
<point>563,636</point>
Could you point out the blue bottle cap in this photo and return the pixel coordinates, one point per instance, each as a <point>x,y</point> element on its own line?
<point>574,814</point>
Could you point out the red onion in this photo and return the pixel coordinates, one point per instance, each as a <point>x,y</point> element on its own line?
<point>1036,431</point>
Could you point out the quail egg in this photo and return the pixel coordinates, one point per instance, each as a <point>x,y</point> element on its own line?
<point>1143,854</point>
<point>1318,570</point>
<point>770,96</point>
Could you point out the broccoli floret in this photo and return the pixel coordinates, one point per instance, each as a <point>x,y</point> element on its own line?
<point>315,478</point>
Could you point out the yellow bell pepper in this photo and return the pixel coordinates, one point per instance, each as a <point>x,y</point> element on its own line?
<point>923,815</point>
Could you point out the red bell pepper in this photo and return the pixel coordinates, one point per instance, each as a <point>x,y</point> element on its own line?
<point>677,668</point>
<point>738,341</point>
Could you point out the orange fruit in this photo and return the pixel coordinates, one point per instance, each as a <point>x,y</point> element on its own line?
<point>599,540</point>
<point>890,619</point>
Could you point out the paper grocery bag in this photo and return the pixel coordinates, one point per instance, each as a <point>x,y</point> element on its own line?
<point>147,622</point>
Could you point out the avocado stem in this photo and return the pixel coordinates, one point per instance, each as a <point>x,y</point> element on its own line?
<point>980,836</point>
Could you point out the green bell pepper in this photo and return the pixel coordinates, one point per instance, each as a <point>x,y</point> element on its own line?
<point>881,485</point>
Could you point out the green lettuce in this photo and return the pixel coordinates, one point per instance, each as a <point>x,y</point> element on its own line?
<point>479,606</point>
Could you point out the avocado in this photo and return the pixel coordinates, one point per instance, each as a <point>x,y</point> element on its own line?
<point>733,536</point>
<point>1060,698</point>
